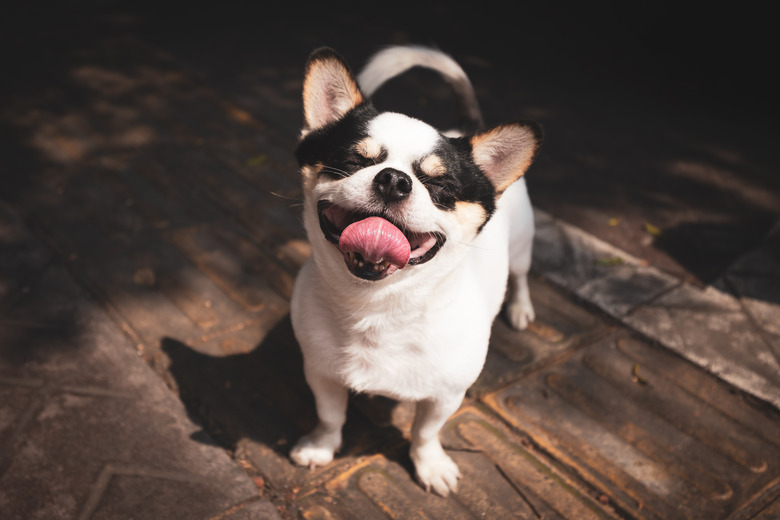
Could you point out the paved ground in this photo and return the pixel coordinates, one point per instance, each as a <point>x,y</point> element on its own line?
<point>149,238</point>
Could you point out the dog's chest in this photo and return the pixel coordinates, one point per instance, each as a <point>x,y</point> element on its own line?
<point>410,359</point>
<point>402,370</point>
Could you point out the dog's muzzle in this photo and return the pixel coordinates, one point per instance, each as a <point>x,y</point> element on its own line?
<point>373,246</point>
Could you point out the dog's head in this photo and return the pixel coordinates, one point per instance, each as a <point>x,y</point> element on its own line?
<point>386,194</point>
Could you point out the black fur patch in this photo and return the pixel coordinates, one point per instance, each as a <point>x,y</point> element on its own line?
<point>463,182</point>
<point>334,144</point>
<point>334,147</point>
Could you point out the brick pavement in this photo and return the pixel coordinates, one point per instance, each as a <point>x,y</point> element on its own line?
<point>148,368</point>
<point>87,430</point>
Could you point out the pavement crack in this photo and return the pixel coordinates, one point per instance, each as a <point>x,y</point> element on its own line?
<point>519,491</point>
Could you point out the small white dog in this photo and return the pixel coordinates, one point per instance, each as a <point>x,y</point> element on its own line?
<point>414,235</point>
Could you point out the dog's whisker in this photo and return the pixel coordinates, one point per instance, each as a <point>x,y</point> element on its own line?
<point>280,196</point>
<point>341,173</point>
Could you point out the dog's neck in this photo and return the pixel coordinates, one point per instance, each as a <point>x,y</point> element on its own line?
<point>358,302</point>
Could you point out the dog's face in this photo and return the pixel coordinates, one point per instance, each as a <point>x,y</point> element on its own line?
<point>386,194</point>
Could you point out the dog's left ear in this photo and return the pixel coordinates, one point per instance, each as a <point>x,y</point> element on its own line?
<point>505,152</point>
<point>329,89</point>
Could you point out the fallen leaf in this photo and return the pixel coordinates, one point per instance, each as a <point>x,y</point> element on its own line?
<point>609,261</point>
<point>635,377</point>
<point>652,229</point>
<point>257,160</point>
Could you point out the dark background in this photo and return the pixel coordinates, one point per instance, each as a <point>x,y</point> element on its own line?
<point>659,117</point>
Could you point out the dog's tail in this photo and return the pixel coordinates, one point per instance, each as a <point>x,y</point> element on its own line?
<point>393,61</point>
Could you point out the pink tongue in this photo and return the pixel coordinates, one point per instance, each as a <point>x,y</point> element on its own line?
<point>376,239</point>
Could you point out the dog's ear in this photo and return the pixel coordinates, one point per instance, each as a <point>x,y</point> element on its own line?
<point>505,152</point>
<point>329,89</point>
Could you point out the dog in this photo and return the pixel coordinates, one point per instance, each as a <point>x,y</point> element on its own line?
<point>414,234</point>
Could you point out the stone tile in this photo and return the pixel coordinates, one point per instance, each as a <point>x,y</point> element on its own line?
<point>164,494</point>
<point>736,338</point>
<point>571,257</point>
<point>755,280</point>
<point>251,395</point>
<point>548,490</point>
<point>650,431</point>
<point>243,268</point>
<point>502,477</point>
<point>378,488</point>
<point>159,293</point>
<point>560,325</point>
<point>711,328</point>
<point>625,288</point>
<point>146,228</point>
<point>50,334</point>
<point>597,272</point>
<point>770,512</point>
<point>259,510</point>
<point>92,431</point>
<point>194,291</point>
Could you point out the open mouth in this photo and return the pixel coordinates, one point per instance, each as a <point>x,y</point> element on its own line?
<point>373,246</point>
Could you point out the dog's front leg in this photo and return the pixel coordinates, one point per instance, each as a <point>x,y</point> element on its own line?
<point>435,469</point>
<point>317,448</point>
<point>519,309</point>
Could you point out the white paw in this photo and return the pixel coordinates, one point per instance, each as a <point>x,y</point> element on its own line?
<point>315,450</point>
<point>520,314</point>
<point>438,473</point>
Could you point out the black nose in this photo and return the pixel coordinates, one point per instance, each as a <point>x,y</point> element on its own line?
<point>392,185</point>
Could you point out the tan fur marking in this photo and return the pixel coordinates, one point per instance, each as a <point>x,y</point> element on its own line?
<point>310,175</point>
<point>470,215</point>
<point>432,166</point>
<point>368,148</point>
<point>504,154</point>
<point>329,92</point>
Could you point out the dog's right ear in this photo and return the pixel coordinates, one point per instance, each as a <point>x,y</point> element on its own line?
<point>505,152</point>
<point>329,89</point>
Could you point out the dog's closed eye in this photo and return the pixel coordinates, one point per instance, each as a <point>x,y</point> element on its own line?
<point>371,149</point>
<point>432,166</point>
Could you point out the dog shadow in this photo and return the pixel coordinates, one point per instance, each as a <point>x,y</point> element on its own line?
<point>261,398</point>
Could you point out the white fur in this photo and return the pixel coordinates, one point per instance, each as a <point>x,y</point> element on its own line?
<point>394,61</point>
<point>397,60</point>
<point>421,334</point>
